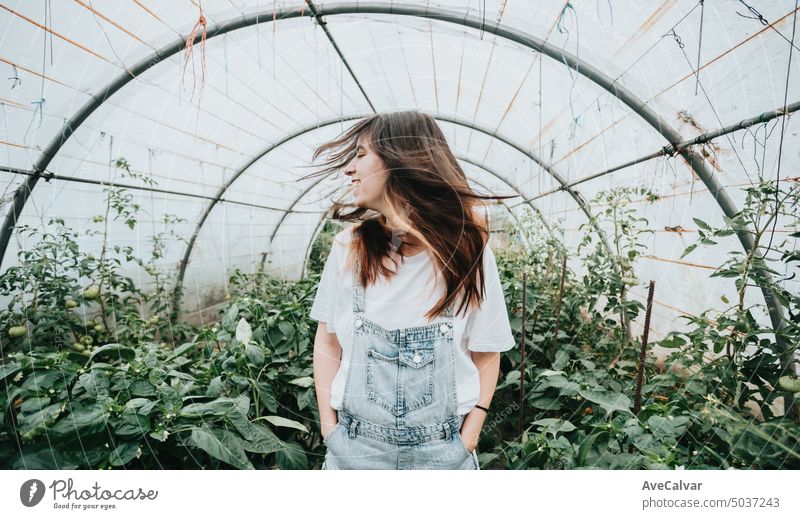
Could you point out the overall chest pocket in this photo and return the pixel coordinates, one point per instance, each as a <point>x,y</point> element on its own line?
<point>403,383</point>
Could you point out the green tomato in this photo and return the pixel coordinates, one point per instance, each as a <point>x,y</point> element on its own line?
<point>17,331</point>
<point>98,328</point>
<point>87,340</point>
<point>92,292</point>
<point>78,346</point>
<point>71,303</point>
<point>788,383</point>
<point>154,320</point>
<point>630,280</point>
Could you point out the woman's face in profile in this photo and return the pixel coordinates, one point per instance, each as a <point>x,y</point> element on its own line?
<point>368,175</point>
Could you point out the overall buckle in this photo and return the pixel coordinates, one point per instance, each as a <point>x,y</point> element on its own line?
<point>448,433</point>
<point>353,428</point>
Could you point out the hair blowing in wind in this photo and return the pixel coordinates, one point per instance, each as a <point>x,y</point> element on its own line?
<point>426,191</point>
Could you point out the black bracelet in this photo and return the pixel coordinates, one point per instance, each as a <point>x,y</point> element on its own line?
<point>482,408</point>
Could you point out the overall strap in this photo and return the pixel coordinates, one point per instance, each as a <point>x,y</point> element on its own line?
<point>448,312</point>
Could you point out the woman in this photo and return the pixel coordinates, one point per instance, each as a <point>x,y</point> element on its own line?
<point>412,317</point>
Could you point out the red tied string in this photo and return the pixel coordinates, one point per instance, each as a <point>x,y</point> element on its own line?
<point>201,22</point>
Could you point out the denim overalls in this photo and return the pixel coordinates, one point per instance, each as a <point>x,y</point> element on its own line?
<point>399,406</point>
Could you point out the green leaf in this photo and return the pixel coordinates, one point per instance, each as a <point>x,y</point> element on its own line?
<point>302,381</point>
<point>554,425</point>
<point>113,351</point>
<point>243,331</point>
<point>512,378</point>
<point>608,400</point>
<point>547,403</point>
<point>83,421</point>
<point>131,425</point>
<point>258,438</point>
<point>230,316</point>
<point>39,419</point>
<point>124,453</point>
<point>549,373</point>
<point>280,421</point>
<point>222,445</point>
<point>219,407</point>
<point>305,398</point>
<point>180,350</point>
<point>255,355</point>
<point>292,456</point>
<point>700,223</point>
<point>142,388</point>
<point>287,329</point>
<point>214,388</point>
<point>689,249</point>
<point>585,447</point>
<point>8,369</point>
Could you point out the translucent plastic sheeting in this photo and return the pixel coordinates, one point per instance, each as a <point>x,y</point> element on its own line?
<point>193,127</point>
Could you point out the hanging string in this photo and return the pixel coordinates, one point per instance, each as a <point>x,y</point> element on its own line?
<point>189,51</point>
<point>756,14</point>
<point>699,45</point>
<point>39,110</point>
<point>763,144</point>
<point>676,37</point>
<point>711,105</point>
<point>561,27</point>
<point>15,79</point>
<point>610,11</point>
<point>763,21</point>
<point>783,130</point>
<point>541,168</point>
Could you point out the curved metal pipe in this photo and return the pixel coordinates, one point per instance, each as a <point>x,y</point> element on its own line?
<point>459,18</point>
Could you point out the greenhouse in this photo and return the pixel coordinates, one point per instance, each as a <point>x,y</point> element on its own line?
<point>163,237</point>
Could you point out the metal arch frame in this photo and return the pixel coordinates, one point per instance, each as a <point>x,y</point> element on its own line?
<point>177,295</point>
<point>459,122</point>
<point>323,219</point>
<point>513,187</point>
<point>532,156</point>
<point>121,80</point>
<point>590,72</point>
<point>449,119</point>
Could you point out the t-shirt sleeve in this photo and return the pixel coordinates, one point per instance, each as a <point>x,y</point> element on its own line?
<point>490,329</point>
<point>325,300</point>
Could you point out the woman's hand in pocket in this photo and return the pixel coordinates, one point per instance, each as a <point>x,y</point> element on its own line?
<point>471,429</point>
<point>326,428</point>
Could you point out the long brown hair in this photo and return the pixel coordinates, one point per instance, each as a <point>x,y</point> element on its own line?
<point>429,192</point>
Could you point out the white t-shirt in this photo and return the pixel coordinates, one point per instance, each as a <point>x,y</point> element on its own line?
<point>403,302</point>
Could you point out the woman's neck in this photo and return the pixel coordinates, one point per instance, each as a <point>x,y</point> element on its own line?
<point>411,245</point>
